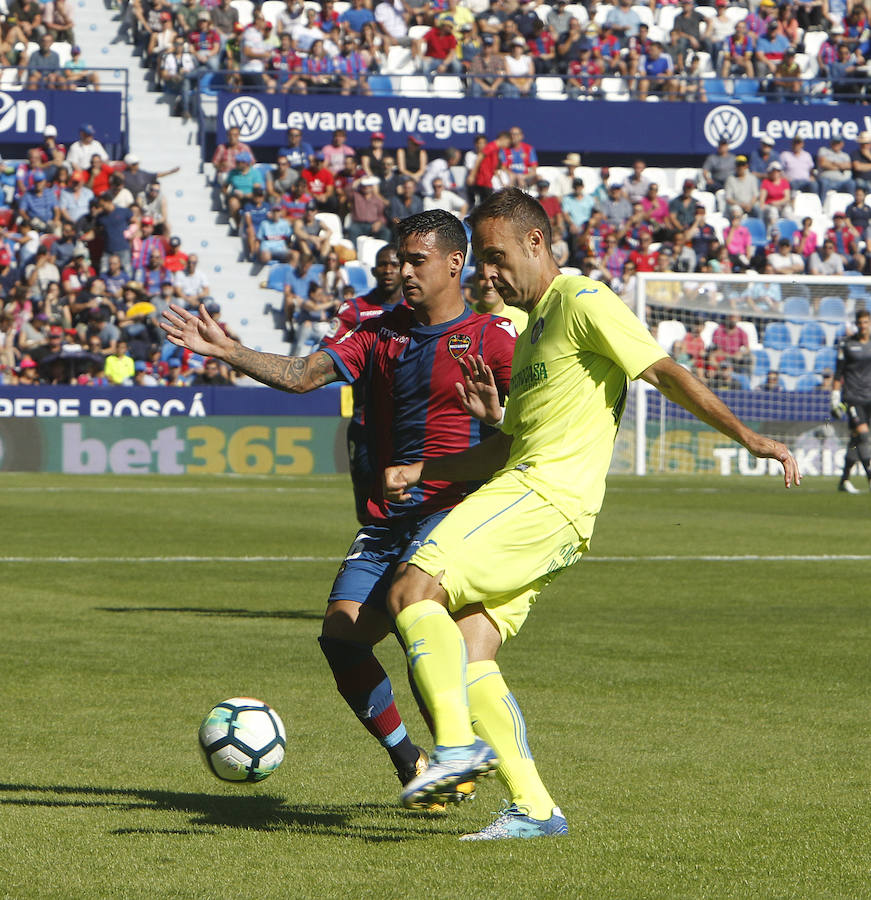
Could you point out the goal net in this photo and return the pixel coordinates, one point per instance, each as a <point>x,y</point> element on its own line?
<point>767,345</point>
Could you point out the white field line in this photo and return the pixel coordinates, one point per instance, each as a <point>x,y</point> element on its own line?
<point>843,557</point>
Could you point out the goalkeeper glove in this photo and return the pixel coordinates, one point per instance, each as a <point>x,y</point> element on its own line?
<point>839,408</point>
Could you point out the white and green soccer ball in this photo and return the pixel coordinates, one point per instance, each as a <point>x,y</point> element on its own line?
<point>242,739</point>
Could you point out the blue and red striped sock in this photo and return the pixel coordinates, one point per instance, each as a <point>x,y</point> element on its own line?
<point>366,688</point>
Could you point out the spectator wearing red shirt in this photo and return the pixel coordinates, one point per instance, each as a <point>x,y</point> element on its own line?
<point>175,260</point>
<point>205,42</point>
<point>542,46</point>
<point>551,204</point>
<point>843,235</point>
<point>285,64</point>
<point>520,158</point>
<point>437,50</point>
<point>486,166</point>
<point>295,203</point>
<point>774,195</point>
<point>321,184</point>
<point>694,344</point>
<point>584,74</point>
<point>644,258</point>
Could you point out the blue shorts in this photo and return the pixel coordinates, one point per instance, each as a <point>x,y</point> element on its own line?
<point>367,572</point>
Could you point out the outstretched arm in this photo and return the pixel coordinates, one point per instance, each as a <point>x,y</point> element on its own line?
<point>202,334</point>
<point>683,388</point>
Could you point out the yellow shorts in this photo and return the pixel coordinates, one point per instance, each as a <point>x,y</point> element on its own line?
<point>500,547</point>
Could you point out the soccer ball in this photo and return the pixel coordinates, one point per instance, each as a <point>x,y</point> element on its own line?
<point>242,739</point>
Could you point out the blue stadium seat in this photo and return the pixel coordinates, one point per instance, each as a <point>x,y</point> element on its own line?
<point>380,85</point>
<point>776,336</point>
<point>786,228</point>
<point>715,88</point>
<point>743,380</point>
<point>357,279</point>
<point>808,382</point>
<point>812,336</point>
<point>825,359</point>
<point>758,234</point>
<point>792,362</point>
<point>747,90</point>
<point>832,310</point>
<point>277,277</point>
<point>796,308</point>
<point>761,362</point>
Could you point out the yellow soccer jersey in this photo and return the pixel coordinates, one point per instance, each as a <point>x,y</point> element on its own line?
<point>568,388</point>
<point>517,316</point>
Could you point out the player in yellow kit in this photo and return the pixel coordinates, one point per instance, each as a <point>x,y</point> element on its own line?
<point>486,563</point>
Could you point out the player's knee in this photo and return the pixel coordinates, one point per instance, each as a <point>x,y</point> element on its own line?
<point>411,586</point>
<point>863,444</point>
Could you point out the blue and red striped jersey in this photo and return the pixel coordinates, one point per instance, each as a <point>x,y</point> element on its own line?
<point>412,410</point>
<point>351,314</point>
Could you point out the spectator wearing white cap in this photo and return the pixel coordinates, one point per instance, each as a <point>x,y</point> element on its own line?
<point>86,147</point>
<point>861,160</point>
<point>53,153</point>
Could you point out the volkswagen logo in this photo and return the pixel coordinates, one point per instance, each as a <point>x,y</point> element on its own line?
<point>248,115</point>
<point>722,123</point>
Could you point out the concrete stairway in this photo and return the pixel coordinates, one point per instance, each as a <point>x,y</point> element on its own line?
<point>163,142</point>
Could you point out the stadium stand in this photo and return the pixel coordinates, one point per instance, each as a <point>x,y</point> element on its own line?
<point>316,213</point>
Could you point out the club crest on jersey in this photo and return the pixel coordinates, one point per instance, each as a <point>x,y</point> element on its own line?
<point>537,329</point>
<point>458,345</point>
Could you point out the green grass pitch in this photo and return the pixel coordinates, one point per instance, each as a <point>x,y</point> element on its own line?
<point>704,723</point>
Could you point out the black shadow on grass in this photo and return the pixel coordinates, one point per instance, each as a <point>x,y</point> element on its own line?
<point>261,813</point>
<point>221,613</point>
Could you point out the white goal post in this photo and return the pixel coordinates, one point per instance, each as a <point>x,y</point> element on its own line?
<point>778,380</point>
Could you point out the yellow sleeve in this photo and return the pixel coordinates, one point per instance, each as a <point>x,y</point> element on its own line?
<point>597,320</point>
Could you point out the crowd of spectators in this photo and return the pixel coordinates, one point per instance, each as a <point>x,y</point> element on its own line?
<point>38,48</point>
<point>88,262</point>
<point>720,218</point>
<point>498,47</point>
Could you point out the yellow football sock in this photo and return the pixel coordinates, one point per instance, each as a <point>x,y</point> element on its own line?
<point>437,656</point>
<point>496,717</point>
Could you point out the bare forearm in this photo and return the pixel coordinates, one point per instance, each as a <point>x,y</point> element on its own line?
<point>475,464</point>
<point>298,375</point>
<point>681,387</point>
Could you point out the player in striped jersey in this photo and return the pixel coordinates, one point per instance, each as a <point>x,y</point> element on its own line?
<point>409,359</point>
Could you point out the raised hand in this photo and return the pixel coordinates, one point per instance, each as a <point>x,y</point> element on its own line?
<point>478,392</point>
<point>200,334</point>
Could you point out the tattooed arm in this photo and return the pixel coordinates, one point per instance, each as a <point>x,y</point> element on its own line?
<point>202,334</point>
